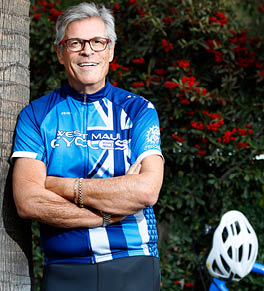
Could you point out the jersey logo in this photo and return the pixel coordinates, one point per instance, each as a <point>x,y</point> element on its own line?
<point>153,135</point>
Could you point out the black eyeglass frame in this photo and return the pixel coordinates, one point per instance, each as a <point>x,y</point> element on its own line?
<point>84,41</point>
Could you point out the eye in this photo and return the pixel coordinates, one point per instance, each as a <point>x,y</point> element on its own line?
<point>98,41</point>
<point>74,42</point>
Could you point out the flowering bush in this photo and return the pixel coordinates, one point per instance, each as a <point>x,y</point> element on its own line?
<point>202,67</point>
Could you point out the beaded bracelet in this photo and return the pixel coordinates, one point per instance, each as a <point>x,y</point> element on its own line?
<point>75,193</point>
<point>80,198</point>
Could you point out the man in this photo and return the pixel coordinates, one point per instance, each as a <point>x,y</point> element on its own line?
<point>89,167</point>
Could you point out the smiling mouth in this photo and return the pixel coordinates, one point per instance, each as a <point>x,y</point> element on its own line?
<point>87,65</point>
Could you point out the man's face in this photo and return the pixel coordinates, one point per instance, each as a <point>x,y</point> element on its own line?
<point>86,69</point>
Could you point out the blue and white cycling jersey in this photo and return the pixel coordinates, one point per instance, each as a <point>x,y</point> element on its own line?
<point>96,135</point>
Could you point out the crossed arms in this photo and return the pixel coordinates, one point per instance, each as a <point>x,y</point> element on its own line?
<point>50,199</point>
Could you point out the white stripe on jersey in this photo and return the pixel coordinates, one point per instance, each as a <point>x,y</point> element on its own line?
<point>21,154</point>
<point>100,244</point>
<point>143,231</point>
<point>149,153</point>
<point>108,165</point>
<point>106,118</point>
<point>125,123</point>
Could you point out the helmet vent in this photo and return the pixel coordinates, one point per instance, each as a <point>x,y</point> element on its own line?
<point>230,253</point>
<point>216,269</point>
<point>224,235</point>
<point>249,251</point>
<point>236,277</point>
<point>238,229</point>
<point>240,253</point>
<point>232,228</point>
<point>225,264</point>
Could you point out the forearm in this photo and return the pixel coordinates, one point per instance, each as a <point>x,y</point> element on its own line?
<point>48,207</point>
<point>33,201</point>
<point>125,195</point>
<point>122,195</point>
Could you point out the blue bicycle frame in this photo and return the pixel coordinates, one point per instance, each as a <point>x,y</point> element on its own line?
<point>219,285</point>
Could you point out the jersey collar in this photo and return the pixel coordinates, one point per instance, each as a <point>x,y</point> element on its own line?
<point>87,97</point>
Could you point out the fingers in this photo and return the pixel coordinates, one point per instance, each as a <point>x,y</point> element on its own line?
<point>134,169</point>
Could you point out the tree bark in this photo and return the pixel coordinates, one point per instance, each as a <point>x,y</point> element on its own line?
<point>15,234</point>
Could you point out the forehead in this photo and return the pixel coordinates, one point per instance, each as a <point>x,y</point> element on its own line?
<point>86,28</point>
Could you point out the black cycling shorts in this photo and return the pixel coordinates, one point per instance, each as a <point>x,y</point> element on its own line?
<point>126,274</point>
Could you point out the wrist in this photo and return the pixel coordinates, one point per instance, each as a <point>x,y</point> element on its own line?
<point>106,218</point>
<point>77,192</point>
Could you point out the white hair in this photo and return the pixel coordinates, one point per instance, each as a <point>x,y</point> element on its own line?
<point>82,11</point>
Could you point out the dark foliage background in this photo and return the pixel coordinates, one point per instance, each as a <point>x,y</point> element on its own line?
<point>201,64</point>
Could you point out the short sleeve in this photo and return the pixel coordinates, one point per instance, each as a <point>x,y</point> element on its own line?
<point>28,141</point>
<point>146,133</point>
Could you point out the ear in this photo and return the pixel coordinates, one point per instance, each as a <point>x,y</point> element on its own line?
<point>59,54</point>
<point>111,53</point>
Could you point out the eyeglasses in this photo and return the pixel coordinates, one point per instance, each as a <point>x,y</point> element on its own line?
<point>97,44</point>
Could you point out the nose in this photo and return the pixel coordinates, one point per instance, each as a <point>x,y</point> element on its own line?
<point>87,50</point>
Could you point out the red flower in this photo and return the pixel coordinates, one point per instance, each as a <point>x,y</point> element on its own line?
<point>216,115</point>
<point>259,65</point>
<point>131,2</point>
<point>171,85</point>
<point>140,60</point>
<point>242,131</point>
<point>138,84</point>
<point>161,72</point>
<point>155,79</point>
<point>141,12</point>
<point>37,16</point>
<point>220,18</point>
<point>34,7</point>
<point>183,64</point>
<point>166,45</point>
<point>218,56</point>
<point>212,115</point>
<point>44,4</point>
<point>168,20</point>
<point>116,6</point>
<point>125,68</point>
<point>54,14</point>
<point>227,138</point>
<point>184,101</point>
<point>201,91</point>
<point>176,137</point>
<point>114,65</point>
<point>261,8</point>
<point>242,145</point>
<point>115,84</point>
<point>197,125</point>
<point>261,74</point>
<point>212,45</point>
<point>201,153</point>
<point>189,81</point>
<point>189,285</point>
<point>215,125</point>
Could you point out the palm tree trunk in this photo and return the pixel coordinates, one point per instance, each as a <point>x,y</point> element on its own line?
<point>15,234</point>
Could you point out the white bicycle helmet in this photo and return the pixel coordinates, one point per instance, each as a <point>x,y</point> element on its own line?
<point>234,249</point>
